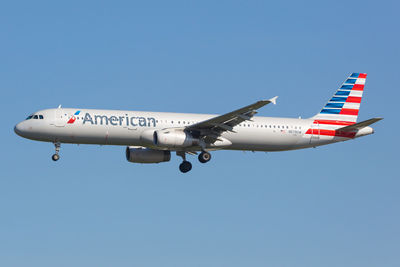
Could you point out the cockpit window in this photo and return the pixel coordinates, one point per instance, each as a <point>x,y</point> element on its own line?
<point>35,117</point>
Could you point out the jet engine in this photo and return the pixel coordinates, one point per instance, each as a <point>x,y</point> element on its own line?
<point>174,138</point>
<point>146,155</point>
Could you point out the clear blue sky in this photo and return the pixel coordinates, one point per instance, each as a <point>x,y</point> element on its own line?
<point>336,205</point>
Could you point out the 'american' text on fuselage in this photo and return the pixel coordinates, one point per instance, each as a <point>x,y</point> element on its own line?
<point>119,120</point>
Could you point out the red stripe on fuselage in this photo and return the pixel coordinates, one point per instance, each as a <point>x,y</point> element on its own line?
<point>330,133</point>
<point>333,122</point>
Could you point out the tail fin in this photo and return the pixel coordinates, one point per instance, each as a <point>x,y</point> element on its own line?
<point>345,104</point>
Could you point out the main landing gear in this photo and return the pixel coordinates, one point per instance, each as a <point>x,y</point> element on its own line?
<point>204,157</point>
<point>56,156</point>
<point>186,166</point>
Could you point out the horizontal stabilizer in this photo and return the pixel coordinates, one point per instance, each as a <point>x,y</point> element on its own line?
<point>359,125</point>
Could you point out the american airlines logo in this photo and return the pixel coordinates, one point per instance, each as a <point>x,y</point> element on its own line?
<point>118,120</point>
<point>73,118</point>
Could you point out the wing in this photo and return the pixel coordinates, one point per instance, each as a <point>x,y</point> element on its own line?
<point>212,128</point>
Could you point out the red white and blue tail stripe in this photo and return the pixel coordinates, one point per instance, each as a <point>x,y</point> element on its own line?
<point>341,110</point>
<point>345,104</point>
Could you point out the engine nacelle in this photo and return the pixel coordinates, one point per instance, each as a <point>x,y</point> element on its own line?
<point>174,138</point>
<point>146,155</point>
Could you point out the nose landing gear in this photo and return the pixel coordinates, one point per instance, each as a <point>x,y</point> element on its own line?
<point>56,156</point>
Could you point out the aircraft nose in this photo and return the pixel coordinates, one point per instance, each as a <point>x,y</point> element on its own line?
<point>19,129</point>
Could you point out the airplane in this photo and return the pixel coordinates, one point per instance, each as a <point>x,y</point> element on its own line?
<point>150,137</point>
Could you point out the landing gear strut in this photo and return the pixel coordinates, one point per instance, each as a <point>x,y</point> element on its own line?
<point>204,157</point>
<point>185,166</point>
<point>56,156</point>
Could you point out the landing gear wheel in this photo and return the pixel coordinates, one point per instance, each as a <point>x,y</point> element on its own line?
<point>55,157</point>
<point>57,146</point>
<point>185,166</point>
<point>204,157</point>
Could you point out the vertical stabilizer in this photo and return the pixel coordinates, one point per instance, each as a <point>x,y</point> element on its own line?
<point>345,104</point>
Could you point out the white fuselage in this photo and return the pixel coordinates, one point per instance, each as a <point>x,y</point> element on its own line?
<point>135,128</point>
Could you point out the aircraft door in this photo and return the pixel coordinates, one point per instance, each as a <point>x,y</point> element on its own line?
<point>315,133</point>
<point>59,120</point>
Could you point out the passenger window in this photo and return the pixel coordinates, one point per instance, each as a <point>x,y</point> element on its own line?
<point>35,117</point>
<point>41,117</point>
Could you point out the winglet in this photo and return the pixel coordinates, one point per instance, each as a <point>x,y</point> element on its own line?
<point>273,100</point>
